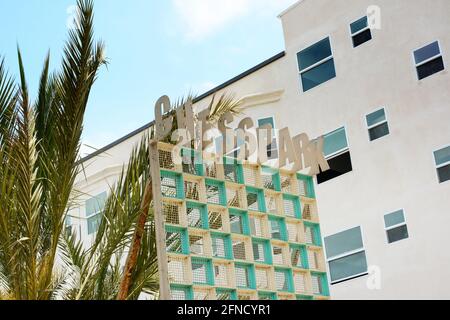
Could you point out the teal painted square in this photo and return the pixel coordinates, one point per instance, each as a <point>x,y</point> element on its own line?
<point>249,271</point>
<point>215,192</point>
<point>275,183</point>
<point>233,170</point>
<point>202,271</point>
<point>172,185</point>
<point>202,211</point>
<point>221,246</point>
<point>177,240</point>
<point>288,285</point>
<point>299,256</point>
<point>255,199</point>
<point>277,228</point>
<point>194,165</point>
<point>264,247</point>
<point>325,291</point>
<point>295,201</point>
<point>239,222</point>
<point>316,235</point>
<point>226,294</point>
<point>304,297</point>
<point>186,291</point>
<point>262,295</point>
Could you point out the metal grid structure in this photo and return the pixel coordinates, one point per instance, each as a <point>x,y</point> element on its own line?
<point>239,231</point>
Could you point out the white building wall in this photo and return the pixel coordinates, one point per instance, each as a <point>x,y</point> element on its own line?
<point>396,171</point>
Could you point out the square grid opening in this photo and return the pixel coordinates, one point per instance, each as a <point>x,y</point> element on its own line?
<point>243,276</point>
<point>299,257</point>
<point>197,216</point>
<point>173,212</point>
<point>293,230</point>
<point>218,219</point>
<point>221,246</point>
<point>274,203</point>
<point>202,271</point>
<point>251,175</point>
<point>241,249</point>
<point>258,225</point>
<point>263,278</point>
<point>280,254</point>
<point>235,196</point>
<point>223,275</point>
<point>255,200</point>
<point>201,294</point>
<point>270,179</point>
<point>300,282</point>
<point>193,189</point>
<point>288,183</point>
<point>176,240</point>
<point>178,268</point>
<point>215,192</point>
<point>197,244</point>
<point>282,280</point>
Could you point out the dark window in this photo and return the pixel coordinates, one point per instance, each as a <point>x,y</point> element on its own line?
<point>316,64</point>
<point>396,228</point>
<point>379,131</point>
<point>337,154</point>
<point>361,32</point>
<point>339,165</point>
<point>430,68</point>
<point>444,173</point>
<point>428,60</point>
<point>377,124</point>
<point>442,158</point>
<point>318,75</point>
<point>397,234</point>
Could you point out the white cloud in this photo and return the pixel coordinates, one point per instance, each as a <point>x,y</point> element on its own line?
<point>202,18</point>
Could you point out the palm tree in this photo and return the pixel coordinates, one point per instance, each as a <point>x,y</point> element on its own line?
<point>39,154</point>
<point>39,146</point>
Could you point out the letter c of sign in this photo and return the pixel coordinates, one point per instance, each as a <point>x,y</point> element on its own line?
<point>163,126</point>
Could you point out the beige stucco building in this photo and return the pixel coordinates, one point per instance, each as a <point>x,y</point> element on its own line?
<point>380,86</point>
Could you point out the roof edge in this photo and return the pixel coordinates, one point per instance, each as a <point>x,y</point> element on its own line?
<point>196,100</point>
<point>292,6</point>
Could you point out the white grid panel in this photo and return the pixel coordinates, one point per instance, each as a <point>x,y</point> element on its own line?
<point>178,269</point>
<point>300,282</point>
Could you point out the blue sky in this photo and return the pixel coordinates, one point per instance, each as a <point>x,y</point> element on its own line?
<point>154,48</point>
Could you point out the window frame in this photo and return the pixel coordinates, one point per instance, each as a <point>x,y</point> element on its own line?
<point>416,65</point>
<point>436,166</point>
<point>95,214</point>
<point>378,124</point>
<point>274,138</point>
<point>354,34</point>
<point>316,64</point>
<point>341,151</point>
<point>386,229</point>
<point>343,255</point>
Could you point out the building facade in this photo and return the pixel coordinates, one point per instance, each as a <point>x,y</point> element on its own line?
<point>371,76</point>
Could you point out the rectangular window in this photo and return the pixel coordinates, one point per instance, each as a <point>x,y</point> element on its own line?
<point>94,208</point>
<point>442,159</point>
<point>396,228</point>
<point>272,149</point>
<point>316,64</point>
<point>377,124</point>
<point>346,255</point>
<point>428,60</point>
<point>337,154</point>
<point>360,31</point>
